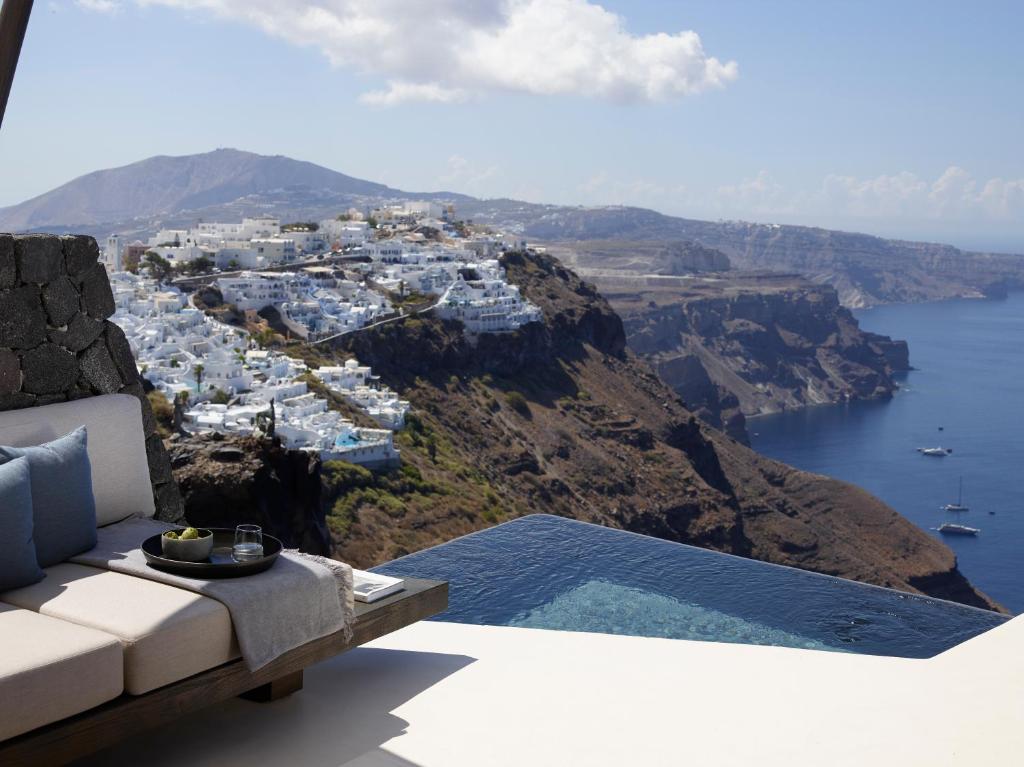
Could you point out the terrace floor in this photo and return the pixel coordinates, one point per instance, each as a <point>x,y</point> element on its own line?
<point>446,695</point>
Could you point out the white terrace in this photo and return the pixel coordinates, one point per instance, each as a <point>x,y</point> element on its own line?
<point>453,695</point>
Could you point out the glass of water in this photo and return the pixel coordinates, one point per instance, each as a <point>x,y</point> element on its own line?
<point>248,543</point>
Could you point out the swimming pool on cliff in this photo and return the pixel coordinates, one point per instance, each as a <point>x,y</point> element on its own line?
<point>548,572</point>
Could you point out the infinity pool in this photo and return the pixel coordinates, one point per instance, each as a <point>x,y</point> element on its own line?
<point>548,572</point>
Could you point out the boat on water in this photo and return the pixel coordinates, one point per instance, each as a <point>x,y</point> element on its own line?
<point>959,505</point>
<point>951,528</point>
<point>936,451</point>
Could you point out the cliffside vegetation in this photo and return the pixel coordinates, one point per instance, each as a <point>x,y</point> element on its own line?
<point>561,418</point>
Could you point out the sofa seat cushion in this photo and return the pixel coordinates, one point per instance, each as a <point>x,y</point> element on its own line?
<point>51,669</point>
<point>167,633</point>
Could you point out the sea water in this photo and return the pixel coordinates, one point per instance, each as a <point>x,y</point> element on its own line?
<point>965,393</point>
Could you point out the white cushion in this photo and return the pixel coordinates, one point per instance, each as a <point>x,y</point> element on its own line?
<point>51,669</point>
<point>167,633</point>
<point>117,447</point>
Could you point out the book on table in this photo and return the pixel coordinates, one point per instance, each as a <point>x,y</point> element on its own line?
<point>369,587</point>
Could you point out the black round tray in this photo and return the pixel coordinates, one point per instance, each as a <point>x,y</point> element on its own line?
<point>220,564</point>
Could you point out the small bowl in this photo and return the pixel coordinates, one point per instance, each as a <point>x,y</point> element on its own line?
<point>191,550</point>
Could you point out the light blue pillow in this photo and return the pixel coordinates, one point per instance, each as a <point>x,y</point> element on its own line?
<point>18,565</point>
<point>63,507</point>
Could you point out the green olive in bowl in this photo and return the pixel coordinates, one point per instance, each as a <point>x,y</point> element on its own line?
<point>187,545</point>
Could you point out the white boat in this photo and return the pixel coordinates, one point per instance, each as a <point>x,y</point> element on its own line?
<point>959,505</point>
<point>936,451</point>
<point>949,528</point>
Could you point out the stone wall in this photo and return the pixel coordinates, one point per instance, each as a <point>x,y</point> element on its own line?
<point>57,343</point>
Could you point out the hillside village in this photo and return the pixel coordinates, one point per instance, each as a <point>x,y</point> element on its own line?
<point>317,281</point>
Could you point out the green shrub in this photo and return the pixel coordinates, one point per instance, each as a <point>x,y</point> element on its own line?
<point>341,475</point>
<point>518,402</point>
<point>163,410</point>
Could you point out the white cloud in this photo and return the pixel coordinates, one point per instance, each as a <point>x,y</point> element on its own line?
<point>955,195</point>
<point>759,195</point>
<point>451,50</point>
<point>464,176</point>
<point>98,6</point>
<point>398,92</point>
<point>603,189</point>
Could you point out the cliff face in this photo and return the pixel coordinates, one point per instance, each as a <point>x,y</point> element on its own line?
<point>246,480</point>
<point>562,418</point>
<point>757,343</point>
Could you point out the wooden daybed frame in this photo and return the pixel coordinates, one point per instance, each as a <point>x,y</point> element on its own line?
<point>105,725</point>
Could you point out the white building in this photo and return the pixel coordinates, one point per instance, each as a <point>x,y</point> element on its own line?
<point>356,383</point>
<point>424,208</point>
<point>112,254</point>
<point>259,227</point>
<point>345,233</point>
<point>385,251</point>
<point>486,306</point>
<point>179,255</point>
<point>253,290</point>
<point>274,250</point>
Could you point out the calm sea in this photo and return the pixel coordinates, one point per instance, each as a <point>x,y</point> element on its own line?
<point>968,382</point>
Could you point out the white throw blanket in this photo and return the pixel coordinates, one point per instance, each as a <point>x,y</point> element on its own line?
<point>301,598</point>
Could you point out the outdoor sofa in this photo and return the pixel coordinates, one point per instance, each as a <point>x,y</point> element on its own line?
<point>89,656</point>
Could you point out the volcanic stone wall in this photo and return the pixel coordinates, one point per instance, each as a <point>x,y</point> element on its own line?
<point>57,343</point>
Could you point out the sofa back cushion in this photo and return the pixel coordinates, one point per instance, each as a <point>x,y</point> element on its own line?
<point>117,447</point>
<point>63,507</point>
<point>18,564</point>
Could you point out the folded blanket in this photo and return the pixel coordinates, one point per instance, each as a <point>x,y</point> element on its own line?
<point>299,599</point>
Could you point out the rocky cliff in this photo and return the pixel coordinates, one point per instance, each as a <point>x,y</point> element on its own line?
<point>746,344</point>
<point>562,418</point>
<point>247,480</point>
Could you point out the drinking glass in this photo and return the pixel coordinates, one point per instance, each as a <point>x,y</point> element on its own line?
<point>248,543</point>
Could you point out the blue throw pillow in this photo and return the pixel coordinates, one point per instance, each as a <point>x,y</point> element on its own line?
<point>63,507</point>
<point>18,565</point>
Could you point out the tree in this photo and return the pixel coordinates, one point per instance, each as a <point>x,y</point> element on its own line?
<point>159,268</point>
<point>175,363</point>
<point>220,397</point>
<point>197,371</point>
<point>201,265</point>
<point>263,337</point>
<point>130,261</point>
<point>233,265</point>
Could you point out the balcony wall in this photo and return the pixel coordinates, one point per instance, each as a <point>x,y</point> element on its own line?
<point>58,344</point>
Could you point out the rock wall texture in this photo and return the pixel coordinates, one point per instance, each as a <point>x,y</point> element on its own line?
<point>752,343</point>
<point>57,342</point>
<point>228,481</point>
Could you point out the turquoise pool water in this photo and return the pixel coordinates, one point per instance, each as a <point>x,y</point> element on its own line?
<point>547,572</point>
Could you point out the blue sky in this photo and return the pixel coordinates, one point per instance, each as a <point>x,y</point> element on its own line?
<point>898,118</point>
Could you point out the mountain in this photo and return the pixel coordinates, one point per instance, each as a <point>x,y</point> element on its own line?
<point>227,184</point>
<point>561,417</point>
<point>171,188</point>
<point>865,269</point>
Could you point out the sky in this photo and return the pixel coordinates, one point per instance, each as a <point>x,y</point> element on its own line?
<point>903,119</point>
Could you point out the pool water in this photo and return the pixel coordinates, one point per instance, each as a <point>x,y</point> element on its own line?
<point>548,572</point>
